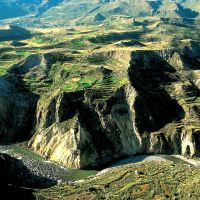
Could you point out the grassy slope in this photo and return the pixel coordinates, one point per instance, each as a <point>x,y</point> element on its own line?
<point>92,47</point>
<point>193,4</point>
<point>149,180</point>
<point>86,12</point>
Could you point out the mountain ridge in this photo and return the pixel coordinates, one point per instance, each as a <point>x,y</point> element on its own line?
<point>84,11</point>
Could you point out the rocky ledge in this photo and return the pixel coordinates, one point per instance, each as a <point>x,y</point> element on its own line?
<point>156,111</point>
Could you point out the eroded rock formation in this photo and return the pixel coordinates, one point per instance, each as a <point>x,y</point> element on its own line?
<point>146,116</point>
<point>78,132</point>
<point>157,111</point>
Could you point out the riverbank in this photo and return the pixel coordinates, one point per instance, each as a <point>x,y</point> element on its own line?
<point>40,167</point>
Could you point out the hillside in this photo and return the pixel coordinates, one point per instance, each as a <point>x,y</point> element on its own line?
<point>76,12</point>
<point>85,12</point>
<point>19,8</point>
<point>193,4</point>
<point>109,71</point>
<point>100,100</point>
<point>146,180</point>
<point>14,33</point>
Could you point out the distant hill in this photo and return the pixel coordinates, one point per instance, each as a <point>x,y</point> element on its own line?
<point>193,4</point>
<point>18,8</point>
<point>89,11</point>
<point>175,9</point>
<point>98,10</point>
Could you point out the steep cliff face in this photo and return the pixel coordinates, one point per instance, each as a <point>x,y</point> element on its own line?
<point>166,108</point>
<point>17,109</point>
<point>18,102</point>
<point>78,132</point>
<point>157,112</point>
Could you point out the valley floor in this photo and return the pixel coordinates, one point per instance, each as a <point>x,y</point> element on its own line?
<point>138,177</point>
<point>156,179</point>
<point>38,166</point>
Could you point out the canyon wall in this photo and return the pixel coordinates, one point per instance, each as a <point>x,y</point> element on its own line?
<point>157,111</point>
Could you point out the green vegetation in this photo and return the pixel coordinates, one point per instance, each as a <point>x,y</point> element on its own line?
<point>95,46</point>
<point>77,44</point>
<point>3,70</point>
<point>75,175</point>
<point>24,151</point>
<point>24,53</point>
<point>174,159</point>
<point>38,40</point>
<point>4,43</point>
<point>95,59</point>
<point>78,83</point>
<point>149,180</point>
<point>5,66</point>
<point>184,32</point>
<point>116,36</point>
<point>86,83</point>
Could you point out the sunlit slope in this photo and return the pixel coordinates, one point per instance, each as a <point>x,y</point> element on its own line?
<point>97,11</point>
<point>19,8</point>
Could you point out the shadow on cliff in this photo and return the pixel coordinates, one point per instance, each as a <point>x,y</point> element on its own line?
<point>16,193</point>
<point>18,107</point>
<point>104,138</point>
<point>97,141</point>
<point>17,182</point>
<point>150,74</point>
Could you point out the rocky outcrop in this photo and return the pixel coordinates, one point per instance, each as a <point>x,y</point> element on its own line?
<point>157,111</point>
<point>38,65</point>
<point>18,101</point>
<point>77,132</point>
<point>149,115</point>
<point>188,143</point>
<point>166,107</point>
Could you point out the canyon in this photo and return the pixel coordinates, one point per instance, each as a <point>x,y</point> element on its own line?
<point>100,100</point>
<point>155,112</point>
